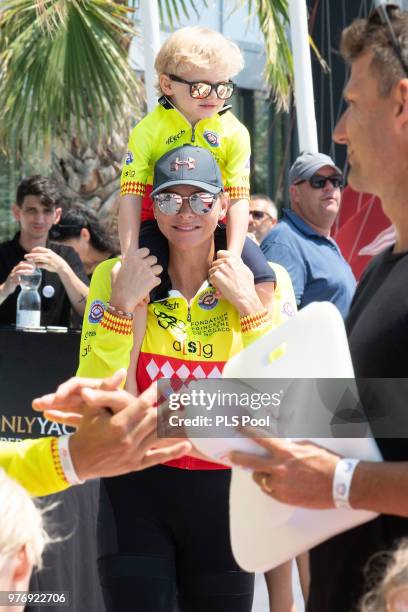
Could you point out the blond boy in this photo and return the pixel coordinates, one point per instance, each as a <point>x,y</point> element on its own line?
<point>194,66</point>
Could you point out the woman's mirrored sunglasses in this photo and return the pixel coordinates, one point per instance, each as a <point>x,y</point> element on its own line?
<point>170,203</point>
<point>319,182</point>
<point>202,89</point>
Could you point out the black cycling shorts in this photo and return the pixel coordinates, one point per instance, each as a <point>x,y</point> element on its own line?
<point>163,536</point>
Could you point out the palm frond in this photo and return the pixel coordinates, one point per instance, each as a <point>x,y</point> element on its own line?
<point>171,10</point>
<point>273,19</point>
<point>64,69</point>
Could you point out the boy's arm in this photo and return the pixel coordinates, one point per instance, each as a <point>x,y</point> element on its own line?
<point>237,225</point>
<point>130,209</point>
<point>137,169</point>
<point>237,168</point>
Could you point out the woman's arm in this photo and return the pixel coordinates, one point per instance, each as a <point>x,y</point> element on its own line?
<point>107,338</point>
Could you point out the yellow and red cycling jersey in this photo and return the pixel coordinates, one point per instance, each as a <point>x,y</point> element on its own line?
<point>185,341</point>
<point>35,464</point>
<point>165,128</point>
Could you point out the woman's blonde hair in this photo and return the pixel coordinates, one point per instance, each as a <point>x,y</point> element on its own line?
<point>196,47</point>
<point>21,522</point>
<point>395,577</point>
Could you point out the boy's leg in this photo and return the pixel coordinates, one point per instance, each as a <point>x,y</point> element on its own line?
<point>152,238</point>
<point>264,276</point>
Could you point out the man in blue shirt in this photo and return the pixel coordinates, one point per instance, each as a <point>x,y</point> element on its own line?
<point>301,241</point>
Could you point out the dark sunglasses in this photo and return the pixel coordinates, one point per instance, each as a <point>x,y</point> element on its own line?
<point>382,15</point>
<point>319,182</point>
<point>258,214</point>
<point>171,203</point>
<point>202,89</point>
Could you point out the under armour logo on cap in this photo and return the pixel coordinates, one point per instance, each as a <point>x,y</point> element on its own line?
<point>177,163</point>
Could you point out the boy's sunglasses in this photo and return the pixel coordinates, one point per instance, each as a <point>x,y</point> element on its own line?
<point>202,89</point>
<point>382,15</point>
<point>171,203</point>
<point>258,214</point>
<point>319,182</point>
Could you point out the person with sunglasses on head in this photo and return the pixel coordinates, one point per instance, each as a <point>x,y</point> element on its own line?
<point>80,228</point>
<point>166,532</point>
<point>195,67</point>
<point>263,215</point>
<point>301,241</point>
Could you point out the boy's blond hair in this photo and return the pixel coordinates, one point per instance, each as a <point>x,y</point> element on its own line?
<point>196,47</point>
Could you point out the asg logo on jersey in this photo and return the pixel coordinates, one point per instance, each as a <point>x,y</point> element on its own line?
<point>212,138</point>
<point>96,311</point>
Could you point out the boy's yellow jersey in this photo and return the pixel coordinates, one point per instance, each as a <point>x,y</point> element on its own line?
<point>165,128</point>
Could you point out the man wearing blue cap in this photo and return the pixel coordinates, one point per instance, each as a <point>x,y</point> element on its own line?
<point>301,241</point>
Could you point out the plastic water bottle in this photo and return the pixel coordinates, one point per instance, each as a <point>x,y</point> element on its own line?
<point>29,301</point>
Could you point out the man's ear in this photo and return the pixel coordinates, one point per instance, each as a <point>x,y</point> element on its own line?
<point>16,210</point>
<point>402,112</point>
<point>294,194</point>
<point>166,84</point>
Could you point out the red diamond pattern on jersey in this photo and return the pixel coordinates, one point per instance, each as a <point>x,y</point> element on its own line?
<point>151,367</point>
<point>133,188</point>
<point>238,192</point>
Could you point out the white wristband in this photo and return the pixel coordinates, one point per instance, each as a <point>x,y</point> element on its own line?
<point>342,478</point>
<point>66,461</point>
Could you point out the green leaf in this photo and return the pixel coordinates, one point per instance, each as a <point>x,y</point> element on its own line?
<point>65,70</point>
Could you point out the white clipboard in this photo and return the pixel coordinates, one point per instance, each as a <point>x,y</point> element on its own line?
<point>264,532</point>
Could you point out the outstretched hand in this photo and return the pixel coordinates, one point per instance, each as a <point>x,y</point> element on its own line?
<point>67,405</point>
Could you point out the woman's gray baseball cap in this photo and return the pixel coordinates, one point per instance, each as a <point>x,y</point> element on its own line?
<point>307,164</point>
<point>187,165</point>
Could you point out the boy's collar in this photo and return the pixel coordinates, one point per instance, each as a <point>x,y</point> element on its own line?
<point>168,105</point>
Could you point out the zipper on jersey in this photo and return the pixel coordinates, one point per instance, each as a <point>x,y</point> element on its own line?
<point>193,127</point>
<point>189,313</point>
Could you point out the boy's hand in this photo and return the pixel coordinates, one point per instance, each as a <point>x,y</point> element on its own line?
<point>133,278</point>
<point>229,275</point>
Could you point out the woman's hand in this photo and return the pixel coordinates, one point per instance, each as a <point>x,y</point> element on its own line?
<point>229,275</point>
<point>133,278</point>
